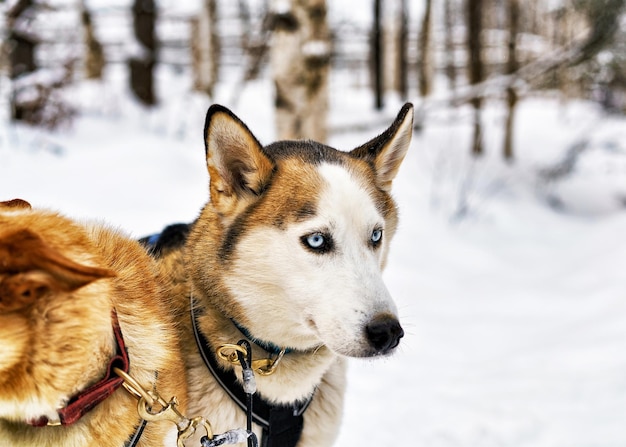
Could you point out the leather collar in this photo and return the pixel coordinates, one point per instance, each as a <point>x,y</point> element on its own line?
<point>88,399</point>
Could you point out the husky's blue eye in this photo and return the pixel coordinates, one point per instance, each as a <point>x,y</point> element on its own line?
<point>317,242</point>
<point>377,235</point>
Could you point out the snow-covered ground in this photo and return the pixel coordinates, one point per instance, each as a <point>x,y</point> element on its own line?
<point>510,282</point>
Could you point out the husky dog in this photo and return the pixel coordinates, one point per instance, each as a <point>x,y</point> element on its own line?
<point>77,303</point>
<point>287,254</point>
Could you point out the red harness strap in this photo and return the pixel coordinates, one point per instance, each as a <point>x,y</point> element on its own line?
<point>85,401</point>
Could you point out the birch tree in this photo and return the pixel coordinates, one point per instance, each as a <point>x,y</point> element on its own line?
<point>394,46</point>
<point>94,54</point>
<point>300,59</point>
<point>205,48</point>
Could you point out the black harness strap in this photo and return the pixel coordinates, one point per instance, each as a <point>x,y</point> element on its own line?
<point>135,437</point>
<point>282,424</point>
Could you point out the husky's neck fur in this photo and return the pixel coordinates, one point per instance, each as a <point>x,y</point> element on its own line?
<point>295,379</point>
<point>268,346</point>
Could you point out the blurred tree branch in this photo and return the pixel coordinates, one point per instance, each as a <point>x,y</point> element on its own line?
<point>603,17</point>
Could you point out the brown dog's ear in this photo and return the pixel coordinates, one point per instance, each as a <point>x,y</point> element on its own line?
<point>238,166</point>
<point>386,152</point>
<point>16,203</point>
<point>30,268</point>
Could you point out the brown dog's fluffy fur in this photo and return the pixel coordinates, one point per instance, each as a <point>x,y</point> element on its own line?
<point>59,282</point>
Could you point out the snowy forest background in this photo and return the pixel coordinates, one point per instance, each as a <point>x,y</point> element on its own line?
<point>508,266</point>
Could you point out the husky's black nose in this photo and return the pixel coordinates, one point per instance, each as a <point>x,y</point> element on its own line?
<point>384,333</point>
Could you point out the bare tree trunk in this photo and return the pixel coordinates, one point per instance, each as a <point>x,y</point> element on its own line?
<point>21,48</point>
<point>142,65</point>
<point>22,43</point>
<point>34,99</point>
<point>450,61</point>
<point>393,57</point>
<point>425,64</point>
<point>377,56</point>
<point>300,59</point>
<point>512,66</point>
<point>94,57</point>
<point>561,39</point>
<point>403,71</point>
<point>205,48</point>
<point>476,66</point>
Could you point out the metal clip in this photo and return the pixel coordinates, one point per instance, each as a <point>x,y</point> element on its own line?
<point>186,427</point>
<point>168,412</point>
<point>266,367</point>
<point>191,429</point>
<point>263,367</point>
<point>148,400</point>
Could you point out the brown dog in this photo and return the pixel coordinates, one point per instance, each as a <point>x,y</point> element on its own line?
<point>75,302</point>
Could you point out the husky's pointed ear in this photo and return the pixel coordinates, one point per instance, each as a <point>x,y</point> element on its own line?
<point>386,152</point>
<point>238,166</point>
<point>29,268</point>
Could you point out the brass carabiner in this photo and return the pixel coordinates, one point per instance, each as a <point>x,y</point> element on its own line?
<point>191,430</point>
<point>168,412</point>
<point>150,400</point>
<point>263,367</point>
<point>186,427</point>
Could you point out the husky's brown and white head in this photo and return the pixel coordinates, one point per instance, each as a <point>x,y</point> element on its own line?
<point>303,236</point>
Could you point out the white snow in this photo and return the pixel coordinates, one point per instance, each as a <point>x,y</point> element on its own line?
<point>511,288</point>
